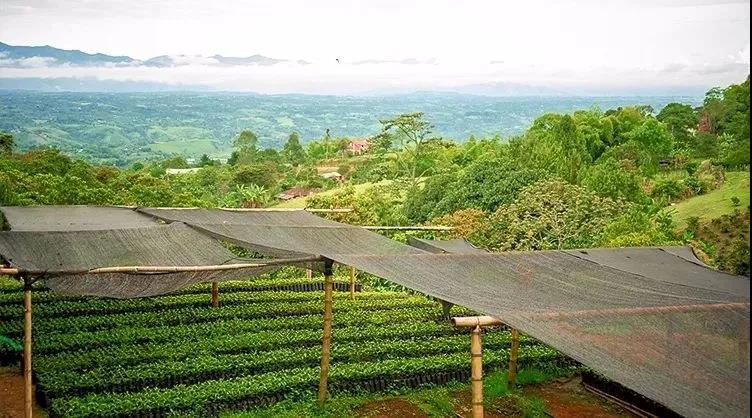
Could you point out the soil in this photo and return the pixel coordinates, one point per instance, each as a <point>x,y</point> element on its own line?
<point>570,399</point>
<point>12,394</point>
<point>564,399</point>
<point>390,408</point>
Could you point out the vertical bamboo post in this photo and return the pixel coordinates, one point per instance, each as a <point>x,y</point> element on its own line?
<point>513,352</point>
<point>215,295</point>
<point>476,365</point>
<point>309,274</point>
<point>327,339</point>
<point>352,283</point>
<point>27,349</point>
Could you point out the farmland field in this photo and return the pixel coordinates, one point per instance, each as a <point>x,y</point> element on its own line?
<point>176,355</point>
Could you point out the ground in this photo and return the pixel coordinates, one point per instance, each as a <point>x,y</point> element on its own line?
<point>558,398</point>
<point>563,397</point>
<point>12,394</point>
<point>716,203</point>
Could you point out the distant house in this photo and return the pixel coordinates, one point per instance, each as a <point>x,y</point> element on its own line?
<point>182,170</point>
<point>296,192</point>
<point>333,176</point>
<point>359,146</point>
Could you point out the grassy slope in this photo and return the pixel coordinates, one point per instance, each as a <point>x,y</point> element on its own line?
<point>300,202</point>
<point>716,203</point>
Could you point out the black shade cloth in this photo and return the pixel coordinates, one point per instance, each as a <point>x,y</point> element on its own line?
<point>73,218</point>
<point>457,246</point>
<point>177,244</point>
<point>654,319</point>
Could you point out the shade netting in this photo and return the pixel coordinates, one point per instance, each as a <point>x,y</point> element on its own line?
<point>73,218</point>
<point>654,319</point>
<point>62,255</point>
<point>457,246</point>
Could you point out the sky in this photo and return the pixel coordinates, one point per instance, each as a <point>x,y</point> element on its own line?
<point>585,46</point>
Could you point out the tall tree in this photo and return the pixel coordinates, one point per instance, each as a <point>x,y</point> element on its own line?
<point>6,143</point>
<point>246,142</point>
<point>293,150</point>
<point>680,118</point>
<point>411,132</point>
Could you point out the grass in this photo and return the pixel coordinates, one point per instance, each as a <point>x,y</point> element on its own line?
<point>716,203</point>
<point>439,401</point>
<point>300,202</point>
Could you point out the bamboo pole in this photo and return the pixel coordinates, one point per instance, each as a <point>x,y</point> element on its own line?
<point>513,353</point>
<point>352,283</point>
<point>163,269</point>
<point>215,295</point>
<point>475,321</point>
<point>407,228</point>
<point>314,210</point>
<point>309,274</point>
<point>327,339</point>
<point>27,350</point>
<point>476,364</point>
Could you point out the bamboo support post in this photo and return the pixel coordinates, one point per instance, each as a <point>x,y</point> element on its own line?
<point>327,339</point>
<point>352,283</point>
<point>476,364</point>
<point>215,295</point>
<point>309,274</point>
<point>27,350</point>
<point>513,353</point>
<point>475,321</point>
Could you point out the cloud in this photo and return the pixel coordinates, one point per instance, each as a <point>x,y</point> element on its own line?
<point>30,62</point>
<point>406,61</point>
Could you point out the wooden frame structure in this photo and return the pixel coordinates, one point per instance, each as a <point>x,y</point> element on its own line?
<point>29,277</point>
<point>476,353</point>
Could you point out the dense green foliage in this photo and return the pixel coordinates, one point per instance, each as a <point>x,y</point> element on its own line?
<point>103,357</point>
<point>120,129</point>
<point>590,178</point>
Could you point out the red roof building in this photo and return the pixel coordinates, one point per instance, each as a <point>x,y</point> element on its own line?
<point>359,146</point>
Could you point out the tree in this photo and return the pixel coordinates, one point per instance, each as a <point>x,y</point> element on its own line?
<point>6,143</point>
<point>411,131</point>
<point>680,119</point>
<point>293,151</point>
<point>259,174</point>
<point>555,144</point>
<point>174,162</point>
<point>609,179</point>
<point>205,161</point>
<point>550,214</point>
<point>246,141</point>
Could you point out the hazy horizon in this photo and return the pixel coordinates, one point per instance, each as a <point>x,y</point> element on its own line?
<point>345,48</point>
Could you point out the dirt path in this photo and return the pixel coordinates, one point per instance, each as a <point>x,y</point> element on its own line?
<point>12,394</point>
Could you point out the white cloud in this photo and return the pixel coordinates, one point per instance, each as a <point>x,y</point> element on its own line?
<point>420,44</point>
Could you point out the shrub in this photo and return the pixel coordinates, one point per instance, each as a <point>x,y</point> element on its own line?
<point>609,179</point>
<point>551,214</point>
<point>668,189</point>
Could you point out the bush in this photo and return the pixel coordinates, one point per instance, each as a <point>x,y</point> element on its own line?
<point>609,179</point>
<point>550,214</point>
<point>258,174</point>
<point>668,189</point>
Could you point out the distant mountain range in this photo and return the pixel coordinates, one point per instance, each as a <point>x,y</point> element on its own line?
<point>46,68</point>
<point>12,56</point>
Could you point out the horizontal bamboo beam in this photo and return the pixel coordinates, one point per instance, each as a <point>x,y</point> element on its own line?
<point>163,269</point>
<point>407,228</point>
<point>475,321</point>
<point>315,210</point>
